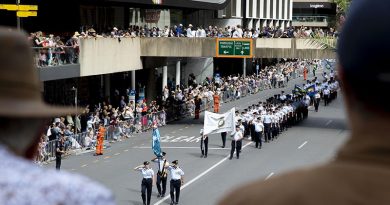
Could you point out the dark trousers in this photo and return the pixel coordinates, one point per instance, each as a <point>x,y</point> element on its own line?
<point>317,104</point>
<point>326,99</point>
<point>204,148</point>
<point>146,190</point>
<point>223,136</point>
<point>175,188</point>
<point>258,139</point>
<point>236,145</point>
<point>58,162</point>
<point>267,130</point>
<point>161,181</point>
<point>253,133</point>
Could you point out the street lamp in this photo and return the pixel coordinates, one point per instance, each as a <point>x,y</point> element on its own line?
<point>75,103</point>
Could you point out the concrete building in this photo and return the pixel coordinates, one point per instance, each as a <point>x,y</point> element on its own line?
<point>258,13</point>
<point>314,13</point>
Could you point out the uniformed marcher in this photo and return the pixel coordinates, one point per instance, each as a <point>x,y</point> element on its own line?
<point>259,128</point>
<point>147,181</point>
<point>204,144</point>
<point>317,99</point>
<point>162,174</point>
<point>177,180</point>
<point>236,142</point>
<point>223,136</point>
<point>267,126</point>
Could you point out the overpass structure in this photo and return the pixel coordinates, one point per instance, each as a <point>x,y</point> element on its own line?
<point>111,55</point>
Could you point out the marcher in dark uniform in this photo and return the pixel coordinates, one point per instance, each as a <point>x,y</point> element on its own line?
<point>60,149</point>
<point>162,174</point>
<point>223,136</point>
<point>204,144</point>
<point>147,181</point>
<point>177,180</point>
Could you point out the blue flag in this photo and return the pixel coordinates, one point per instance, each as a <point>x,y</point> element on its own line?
<point>156,143</point>
<point>311,91</point>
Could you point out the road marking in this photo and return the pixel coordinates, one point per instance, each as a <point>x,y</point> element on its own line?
<point>180,129</point>
<point>328,123</point>
<point>73,170</point>
<point>96,161</point>
<point>183,148</point>
<point>117,154</point>
<point>186,127</point>
<point>200,175</point>
<point>107,157</point>
<point>269,176</point>
<point>173,132</point>
<point>303,144</point>
<point>84,165</point>
<point>126,150</point>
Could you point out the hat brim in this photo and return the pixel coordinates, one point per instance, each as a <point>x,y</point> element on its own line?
<point>34,109</point>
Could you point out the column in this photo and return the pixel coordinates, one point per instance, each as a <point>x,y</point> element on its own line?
<point>244,67</point>
<point>107,85</point>
<point>178,73</point>
<point>165,76</point>
<point>133,80</point>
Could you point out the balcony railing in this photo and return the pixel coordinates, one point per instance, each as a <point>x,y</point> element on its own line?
<point>323,19</point>
<point>56,56</point>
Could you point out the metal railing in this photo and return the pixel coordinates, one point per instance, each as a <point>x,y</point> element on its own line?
<point>56,56</point>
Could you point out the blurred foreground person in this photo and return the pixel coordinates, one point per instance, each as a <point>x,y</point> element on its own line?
<point>360,172</point>
<point>22,118</point>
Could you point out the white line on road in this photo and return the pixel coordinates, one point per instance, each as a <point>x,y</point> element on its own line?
<point>96,161</point>
<point>183,148</point>
<point>117,154</point>
<point>328,123</point>
<point>269,176</point>
<point>84,165</point>
<point>303,144</point>
<point>126,150</point>
<point>200,175</point>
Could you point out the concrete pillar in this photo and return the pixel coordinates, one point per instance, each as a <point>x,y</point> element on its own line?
<point>133,80</point>
<point>178,73</point>
<point>107,85</point>
<point>244,67</point>
<point>165,76</point>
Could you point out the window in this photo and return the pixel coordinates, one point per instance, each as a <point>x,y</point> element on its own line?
<point>277,9</point>
<point>272,10</point>
<point>265,9</point>
<point>284,9</point>
<point>234,7</point>
<point>288,9</point>
<point>250,8</point>
<point>258,9</point>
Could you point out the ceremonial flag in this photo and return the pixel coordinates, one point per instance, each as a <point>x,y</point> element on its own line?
<point>311,91</point>
<point>156,143</point>
<point>217,123</point>
<point>298,90</point>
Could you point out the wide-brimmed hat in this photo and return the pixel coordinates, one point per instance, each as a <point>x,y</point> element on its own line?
<point>20,92</point>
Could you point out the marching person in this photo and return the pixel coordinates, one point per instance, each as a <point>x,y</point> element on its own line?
<point>204,144</point>
<point>162,174</point>
<point>147,181</point>
<point>177,180</point>
<point>223,136</point>
<point>216,101</point>
<point>317,99</point>
<point>236,142</point>
<point>100,139</point>
<point>259,128</point>
<point>326,92</point>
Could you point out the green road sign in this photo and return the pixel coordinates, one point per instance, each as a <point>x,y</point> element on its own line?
<point>234,48</point>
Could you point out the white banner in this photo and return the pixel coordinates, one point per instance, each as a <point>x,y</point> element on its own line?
<point>217,123</point>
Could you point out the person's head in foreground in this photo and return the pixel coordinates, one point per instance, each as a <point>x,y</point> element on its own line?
<point>22,118</point>
<point>360,173</point>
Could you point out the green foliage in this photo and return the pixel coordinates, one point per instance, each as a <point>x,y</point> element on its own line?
<point>343,5</point>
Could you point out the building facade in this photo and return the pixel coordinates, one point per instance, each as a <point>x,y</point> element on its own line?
<point>314,13</point>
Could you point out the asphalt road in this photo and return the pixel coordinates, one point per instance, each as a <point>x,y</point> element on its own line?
<point>312,142</point>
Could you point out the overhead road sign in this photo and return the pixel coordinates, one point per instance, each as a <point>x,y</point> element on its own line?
<point>14,7</point>
<point>234,48</point>
<point>26,13</point>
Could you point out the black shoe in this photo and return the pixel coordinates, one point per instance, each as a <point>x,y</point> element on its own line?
<point>158,196</point>
<point>201,156</point>
<point>230,158</point>
<point>172,203</point>
<point>177,203</point>
<point>163,195</point>
<point>238,157</point>
<point>205,156</point>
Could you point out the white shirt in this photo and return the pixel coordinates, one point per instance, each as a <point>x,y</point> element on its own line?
<point>189,33</point>
<point>326,91</point>
<point>237,136</point>
<point>146,173</point>
<point>175,173</point>
<point>20,184</point>
<point>160,165</point>
<point>259,126</point>
<point>267,119</point>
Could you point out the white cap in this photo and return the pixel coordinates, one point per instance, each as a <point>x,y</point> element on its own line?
<point>201,131</point>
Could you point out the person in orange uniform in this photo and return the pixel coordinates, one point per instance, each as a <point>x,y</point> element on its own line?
<point>305,71</point>
<point>100,139</point>
<point>216,102</point>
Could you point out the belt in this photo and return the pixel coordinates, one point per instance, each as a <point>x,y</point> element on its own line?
<point>147,178</point>
<point>175,180</point>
